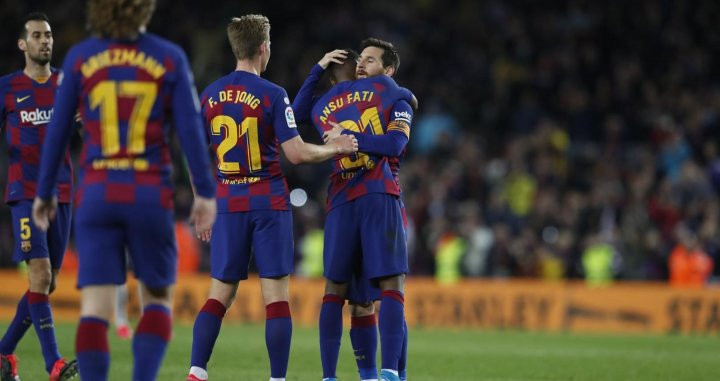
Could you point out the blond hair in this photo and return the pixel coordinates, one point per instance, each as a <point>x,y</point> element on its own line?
<point>246,34</point>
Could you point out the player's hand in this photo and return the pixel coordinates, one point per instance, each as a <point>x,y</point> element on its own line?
<point>205,236</point>
<point>337,56</point>
<point>204,211</point>
<point>43,211</point>
<point>332,133</point>
<point>344,144</point>
<point>78,117</point>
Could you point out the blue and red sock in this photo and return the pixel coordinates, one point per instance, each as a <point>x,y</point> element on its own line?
<point>364,338</point>
<point>205,332</point>
<point>402,362</point>
<point>39,307</point>
<point>278,332</point>
<point>330,333</point>
<point>150,341</point>
<point>93,351</point>
<point>392,317</point>
<point>19,325</point>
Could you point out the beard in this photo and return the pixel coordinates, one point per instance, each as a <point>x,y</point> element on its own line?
<point>41,59</point>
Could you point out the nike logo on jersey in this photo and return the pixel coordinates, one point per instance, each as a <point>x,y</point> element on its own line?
<point>20,99</point>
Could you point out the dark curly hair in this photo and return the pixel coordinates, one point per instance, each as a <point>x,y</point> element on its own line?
<point>119,19</point>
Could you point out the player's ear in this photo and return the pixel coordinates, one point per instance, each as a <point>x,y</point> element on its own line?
<point>389,71</point>
<point>22,44</point>
<point>262,49</point>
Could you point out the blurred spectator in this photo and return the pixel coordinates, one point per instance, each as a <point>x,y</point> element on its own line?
<point>543,126</point>
<point>689,265</point>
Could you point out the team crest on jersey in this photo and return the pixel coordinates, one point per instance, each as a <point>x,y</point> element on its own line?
<point>290,117</point>
<point>25,246</point>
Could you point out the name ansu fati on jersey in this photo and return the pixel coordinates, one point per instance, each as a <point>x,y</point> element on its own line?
<point>235,96</point>
<point>343,101</point>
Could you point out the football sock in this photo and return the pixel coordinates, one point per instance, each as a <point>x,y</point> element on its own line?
<point>205,332</point>
<point>402,362</point>
<point>278,331</point>
<point>39,307</point>
<point>93,351</point>
<point>364,337</point>
<point>19,325</point>
<point>392,311</point>
<point>150,341</point>
<point>330,333</point>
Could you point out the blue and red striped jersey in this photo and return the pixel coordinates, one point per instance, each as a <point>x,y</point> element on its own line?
<point>246,119</point>
<point>366,107</point>
<point>25,110</point>
<point>126,92</point>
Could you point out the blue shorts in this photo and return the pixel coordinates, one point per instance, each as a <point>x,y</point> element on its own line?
<point>362,290</point>
<point>365,237</point>
<point>105,232</point>
<point>31,242</point>
<point>267,234</point>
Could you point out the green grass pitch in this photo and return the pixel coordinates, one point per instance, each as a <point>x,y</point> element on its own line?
<point>446,355</point>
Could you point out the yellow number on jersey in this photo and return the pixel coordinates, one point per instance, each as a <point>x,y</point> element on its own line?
<point>371,118</point>
<point>25,228</point>
<point>249,129</point>
<point>105,95</point>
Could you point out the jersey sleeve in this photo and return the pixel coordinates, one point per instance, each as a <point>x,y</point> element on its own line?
<point>392,90</point>
<point>60,128</point>
<point>283,117</point>
<point>3,91</point>
<point>186,114</point>
<point>397,134</point>
<point>303,103</point>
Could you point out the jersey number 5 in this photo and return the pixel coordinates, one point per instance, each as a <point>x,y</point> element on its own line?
<point>105,95</point>
<point>249,129</point>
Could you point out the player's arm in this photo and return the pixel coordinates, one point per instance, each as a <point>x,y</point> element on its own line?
<point>186,115</point>
<point>409,97</point>
<point>295,149</point>
<point>304,100</point>
<point>393,142</point>
<point>2,103</point>
<point>58,133</point>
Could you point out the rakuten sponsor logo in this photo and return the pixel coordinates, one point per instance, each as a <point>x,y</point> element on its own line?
<point>36,116</point>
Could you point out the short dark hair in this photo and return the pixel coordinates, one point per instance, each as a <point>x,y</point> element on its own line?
<point>390,56</point>
<point>335,70</point>
<point>33,16</point>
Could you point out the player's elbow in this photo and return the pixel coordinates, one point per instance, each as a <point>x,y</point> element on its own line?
<point>294,155</point>
<point>294,158</point>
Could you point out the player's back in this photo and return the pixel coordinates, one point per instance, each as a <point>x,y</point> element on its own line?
<point>363,106</point>
<point>247,118</point>
<point>125,98</point>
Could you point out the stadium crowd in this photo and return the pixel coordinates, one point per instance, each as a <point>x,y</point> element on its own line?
<point>562,139</point>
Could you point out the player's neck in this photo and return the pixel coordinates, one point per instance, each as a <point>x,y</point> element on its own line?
<point>250,66</point>
<point>37,71</point>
